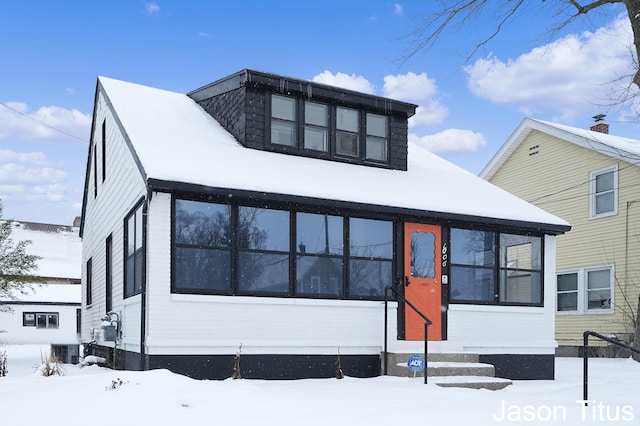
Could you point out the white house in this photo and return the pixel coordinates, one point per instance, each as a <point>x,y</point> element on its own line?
<point>50,313</point>
<point>272,214</point>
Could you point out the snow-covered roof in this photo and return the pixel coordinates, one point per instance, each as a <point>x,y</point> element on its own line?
<point>58,246</point>
<point>618,147</point>
<point>176,140</point>
<point>51,293</point>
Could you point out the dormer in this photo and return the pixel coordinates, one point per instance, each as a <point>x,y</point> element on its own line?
<point>298,117</point>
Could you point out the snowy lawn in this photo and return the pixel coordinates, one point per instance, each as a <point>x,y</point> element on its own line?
<point>162,398</point>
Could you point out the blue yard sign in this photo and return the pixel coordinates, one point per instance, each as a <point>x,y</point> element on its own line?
<point>415,363</point>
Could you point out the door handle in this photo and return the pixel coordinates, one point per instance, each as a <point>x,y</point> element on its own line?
<point>406,281</point>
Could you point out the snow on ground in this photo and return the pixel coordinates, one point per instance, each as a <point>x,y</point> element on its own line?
<point>161,398</point>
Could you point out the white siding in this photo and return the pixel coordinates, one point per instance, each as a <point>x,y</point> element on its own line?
<point>104,215</point>
<point>17,334</point>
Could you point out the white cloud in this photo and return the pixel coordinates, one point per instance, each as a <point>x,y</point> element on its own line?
<point>350,82</point>
<point>418,89</point>
<point>203,34</point>
<point>151,8</point>
<point>450,140</point>
<point>397,9</point>
<point>50,123</point>
<point>567,77</point>
<point>27,176</point>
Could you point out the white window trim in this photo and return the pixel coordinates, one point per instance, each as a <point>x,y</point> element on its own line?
<point>592,192</point>
<point>583,294</point>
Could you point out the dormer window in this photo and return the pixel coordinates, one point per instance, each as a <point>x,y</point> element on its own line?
<point>283,121</point>
<point>347,127</point>
<point>377,141</point>
<point>316,126</point>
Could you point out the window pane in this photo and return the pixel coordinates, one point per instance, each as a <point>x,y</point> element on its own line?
<point>376,148</point>
<point>317,233</point>
<point>29,319</point>
<point>368,278</point>
<point>520,287</point>
<point>315,114</point>
<point>129,284</point>
<point>283,133</point>
<point>347,144</point>
<point>568,301</point>
<point>52,320</point>
<point>263,229</point>
<point>423,254</point>
<point>202,269</point>
<point>137,284</point>
<point>520,252</point>
<point>283,108</point>
<point>604,182</point>
<point>131,234</point>
<point>263,272</point>
<point>472,247</point>
<point>316,138</point>
<point>319,275</point>
<point>41,321</point>
<point>599,279</point>
<point>472,284</point>
<point>377,125</point>
<point>599,299</point>
<point>347,119</point>
<point>568,282</point>
<point>205,224</point>
<point>370,238</point>
<point>605,202</point>
<point>138,217</point>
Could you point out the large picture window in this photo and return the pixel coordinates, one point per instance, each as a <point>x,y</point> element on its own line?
<point>134,252</point>
<point>202,235</point>
<point>493,268</point>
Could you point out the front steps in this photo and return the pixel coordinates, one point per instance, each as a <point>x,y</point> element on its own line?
<point>461,369</point>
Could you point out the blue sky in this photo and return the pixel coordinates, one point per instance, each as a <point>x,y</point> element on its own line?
<point>52,52</point>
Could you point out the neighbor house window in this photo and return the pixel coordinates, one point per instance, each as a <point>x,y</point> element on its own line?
<point>134,252</point>
<point>603,190</point>
<point>89,290</point>
<point>202,234</point>
<point>104,150</point>
<point>40,319</point>
<point>494,268</point>
<point>370,257</point>
<point>377,142</point>
<point>316,126</point>
<point>263,243</point>
<point>588,290</point>
<point>347,128</point>
<point>319,259</point>
<point>283,121</point>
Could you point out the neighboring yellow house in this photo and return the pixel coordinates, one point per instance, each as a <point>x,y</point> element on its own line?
<point>592,180</point>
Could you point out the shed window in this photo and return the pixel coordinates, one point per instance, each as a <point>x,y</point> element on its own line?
<point>40,319</point>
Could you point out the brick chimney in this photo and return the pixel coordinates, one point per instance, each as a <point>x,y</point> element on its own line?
<point>600,125</point>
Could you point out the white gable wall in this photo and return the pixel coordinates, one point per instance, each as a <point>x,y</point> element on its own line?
<point>104,215</point>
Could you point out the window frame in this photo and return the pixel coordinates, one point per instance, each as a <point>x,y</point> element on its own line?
<point>34,322</point>
<point>108,259</point>
<point>137,214</point>
<point>583,290</point>
<point>89,288</point>
<point>593,195</point>
<point>344,258</point>
<point>331,130</point>
<point>496,270</point>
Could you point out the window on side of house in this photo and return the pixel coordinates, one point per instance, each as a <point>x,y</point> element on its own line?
<point>202,255</point>
<point>587,290</point>
<point>603,198</point>
<point>40,319</point>
<point>104,150</point>
<point>283,121</point>
<point>370,257</point>
<point>347,132</point>
<point>319,258</point>
<point>28,319</point>
<point>89,289</point>
<point>263,244</point>
<point>108,273</point>
<point>316,126</point>
<point>134,252</point>
<point>95,171</point>
<point>377,145</point>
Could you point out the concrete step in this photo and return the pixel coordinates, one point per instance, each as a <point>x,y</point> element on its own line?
<point>470,382</point>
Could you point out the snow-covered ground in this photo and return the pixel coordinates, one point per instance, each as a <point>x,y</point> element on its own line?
<point>161,398</point>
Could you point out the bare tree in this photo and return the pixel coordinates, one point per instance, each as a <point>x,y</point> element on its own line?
<point>456,14</point>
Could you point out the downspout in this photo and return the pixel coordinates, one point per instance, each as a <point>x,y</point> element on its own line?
<point>143,289</point>
<point>626,242</point>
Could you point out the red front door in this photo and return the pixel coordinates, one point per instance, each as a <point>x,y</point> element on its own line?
<point>422,268</point>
